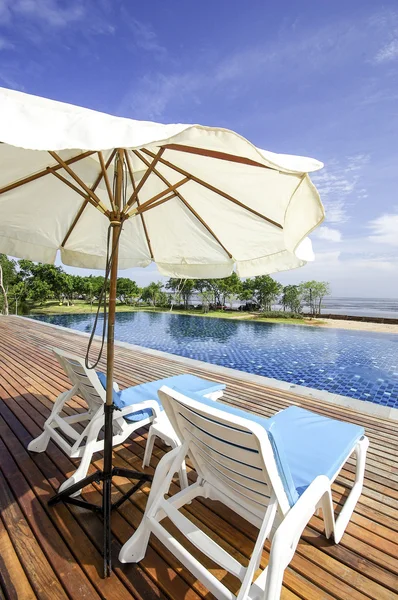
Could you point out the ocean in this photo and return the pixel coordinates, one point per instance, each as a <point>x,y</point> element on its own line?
<point>356,307</point>
<point>362,307</point>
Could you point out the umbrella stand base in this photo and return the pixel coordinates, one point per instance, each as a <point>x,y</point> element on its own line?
<point>97,477</point>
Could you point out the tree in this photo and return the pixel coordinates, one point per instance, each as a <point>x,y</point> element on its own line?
<point>66,286</point>
<point>3,291</point>
<point>79,286</point>
<point>313,293</point>
<point>162,299</point>
<point>126,289</point>
<point>212,288</point>
<point>25,269</point>
<point>8,277</point>
<point>206,296</point>
<point>152,293</point>
<point>292,298</point>
<point>17,294</point>
<point>39,291</point>
<point>229,288</point>
<point>263,290</point>
<point>56,279</point>
<point>182,290</point>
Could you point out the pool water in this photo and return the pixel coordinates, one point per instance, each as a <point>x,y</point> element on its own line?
<point>352,363</point>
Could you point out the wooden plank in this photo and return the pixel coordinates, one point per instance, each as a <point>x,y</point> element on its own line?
<point>58,555</point>
<point>12,575</point>
<point>41,576</point>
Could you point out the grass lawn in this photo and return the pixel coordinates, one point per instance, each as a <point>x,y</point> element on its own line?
<point>81,307</point>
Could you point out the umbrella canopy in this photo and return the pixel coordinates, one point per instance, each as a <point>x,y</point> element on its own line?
<point>198,201</point>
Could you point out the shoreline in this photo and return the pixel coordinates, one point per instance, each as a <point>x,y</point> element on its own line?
<point>344,323</point>
<point>371,327</point>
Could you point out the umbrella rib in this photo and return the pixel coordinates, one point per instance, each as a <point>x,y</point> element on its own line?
<point>106,178</point>
<point>143,208</point>
<point>171,188</point>
<point>184,201</point>
<point>97,202</point>
<point>130,169</point>
<point>216,154</point>
<point>133,197</point>
<point>193,211</point>
<point>44,172</point>
<point>212,188</point>
<point>68,183</point>
<point>86,201</point>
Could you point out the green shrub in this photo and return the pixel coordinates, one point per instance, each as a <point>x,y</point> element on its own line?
<point>279,314</point>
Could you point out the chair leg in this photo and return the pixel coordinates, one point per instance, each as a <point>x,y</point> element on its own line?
<point>89,449</point>
<point>183,477</point>
<point>134,549</point>
<point>79,474</point>
<point>254,562</point>
<point>350,503</point>
<point>149,448</point>
<point>40,443</point>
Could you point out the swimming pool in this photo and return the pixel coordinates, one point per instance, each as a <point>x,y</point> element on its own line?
<point>352,363</point>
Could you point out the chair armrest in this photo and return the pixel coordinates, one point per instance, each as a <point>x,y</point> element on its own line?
<point>214,395</point>
<point>132,408</point>
<point>116,387</point>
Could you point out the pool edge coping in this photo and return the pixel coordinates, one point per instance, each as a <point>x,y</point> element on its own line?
<point>363,406</point>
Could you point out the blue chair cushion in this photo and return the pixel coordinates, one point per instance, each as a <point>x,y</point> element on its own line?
<point>102,378</point>
<point>304,443</point>
<point>314,445</point>
<point>149,391</point>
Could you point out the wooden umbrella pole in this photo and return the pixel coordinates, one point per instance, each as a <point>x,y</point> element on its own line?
<point>110,359</point>
<point>116,225</point>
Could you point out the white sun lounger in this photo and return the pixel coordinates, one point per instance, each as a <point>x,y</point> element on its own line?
<point>275,473</point>
<point>137,406</point>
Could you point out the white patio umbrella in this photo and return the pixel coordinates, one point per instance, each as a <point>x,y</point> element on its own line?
<point>197,201</point>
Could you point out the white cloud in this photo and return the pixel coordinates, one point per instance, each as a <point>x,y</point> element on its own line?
<point>154,94</point>
<point>350,275</point>
<point>293,53</point>
<point>328,234</point>
<point>52,12</point>
<point>144,36</point>
<point>10,80</point>
<point>38,20</point>
<point>387,52</point>
<point>338,184</point>
<point>385,230</point>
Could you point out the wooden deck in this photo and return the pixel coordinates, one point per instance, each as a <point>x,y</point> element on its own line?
<point>55,552</point>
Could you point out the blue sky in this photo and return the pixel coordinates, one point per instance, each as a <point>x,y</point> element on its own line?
<point>309,77</point>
